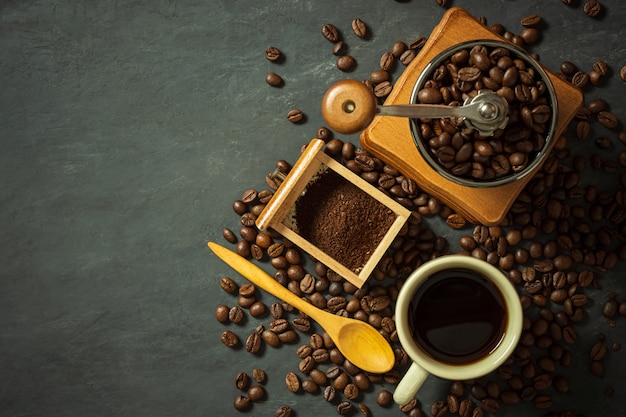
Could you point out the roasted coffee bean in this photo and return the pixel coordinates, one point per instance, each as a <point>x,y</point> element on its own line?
<point>608,119</point>
<point>242,381</point>
<point>351,391</point>
<point>283,411</point>
<point>274,79</point>
<point>346,63</point>
<point>330,32</point>
<point>490,405</point>
<point>270,337</point>
<point>345,408</point>
<point>292,382</point>
<point>253,343</point>
<point>221,313</point>
<point>272,53</point>
<point>407,56</point>
<point>596,368</point>
<point>398,48</point>
<point>228,285</point>
<point>610,308</point>
<point>384,398</point>
<point>453,403</point>
<point>229,338</point>
<point>531,20</point>
<point>256,393</point>
<point>592,8</point>
<point>295,115</point>
<point>302,324</point>
<point>439,408</point>
<point>229,235</point>
<point>580,79</point>
<point>329,393</point>
<point>542,402</point>
<point>466,408</point>
<point>597,351</point>
<point>310,386</point>
<point>359,28</point>
<point>242,403</point>
<point>258,375</point>
<point>406,408</point>
<point>622,73</point>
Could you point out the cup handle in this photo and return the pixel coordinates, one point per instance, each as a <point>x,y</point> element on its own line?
<point>409,384</point>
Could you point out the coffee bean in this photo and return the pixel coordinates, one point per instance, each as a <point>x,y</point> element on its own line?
<point>242,381</point>
<point>542,402</point>
<point>383,89</point>
<point>283,411</point>
<point>466,408</point>
<point>221,313</point>
<point>229,338</point>
<point>580,79</point>
<point>407,56</point>
<point>330,32</point>
<point>293,382</point>
<point>272,53</point>
<point>387,60</point>
<point>490,405</point>
<point>344,408</point>
<point>622,73</point>
<point>270,337</point>
<point>256,393</point>
<point>359,28</point>
<point>384,398</point>
<point>439,408</point>
<point>242,403</point>
<point>453,403</point>
<point>455,221</point>
<point>568,68</point>
<point>531,20</point>
<point>259,375</point>
<point>329,393</point>
<point>295,115</point>
<point>610,308</point>
<point>228,285</point>
<point>418,43</point>
<point>274,79</point>
<point>301,324</point>
<point>253,343</point>
<point>592,8</point>
<point>608,119</point>
<point>346,63</point>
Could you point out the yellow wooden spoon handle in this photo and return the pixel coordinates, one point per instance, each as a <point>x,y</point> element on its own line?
<point>262,279</point>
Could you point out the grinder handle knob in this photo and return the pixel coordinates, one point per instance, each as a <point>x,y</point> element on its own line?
<point>348,106</point>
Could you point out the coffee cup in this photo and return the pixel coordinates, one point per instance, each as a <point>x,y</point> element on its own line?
<point>458,318</point>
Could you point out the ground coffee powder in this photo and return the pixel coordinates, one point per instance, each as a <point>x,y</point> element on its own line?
<point>341,219</point>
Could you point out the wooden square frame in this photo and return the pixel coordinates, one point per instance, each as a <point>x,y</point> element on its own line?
<point>292,187</point>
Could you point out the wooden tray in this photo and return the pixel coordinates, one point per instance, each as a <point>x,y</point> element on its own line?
<point>390,138</point>
<point>278,208</point>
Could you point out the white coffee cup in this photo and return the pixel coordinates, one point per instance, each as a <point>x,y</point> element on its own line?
<point>424,363</point>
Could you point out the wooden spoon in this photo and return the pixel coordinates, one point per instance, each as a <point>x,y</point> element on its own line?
<point>359,342</point>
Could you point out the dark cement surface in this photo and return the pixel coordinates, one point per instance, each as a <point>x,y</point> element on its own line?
<point>128,128</point>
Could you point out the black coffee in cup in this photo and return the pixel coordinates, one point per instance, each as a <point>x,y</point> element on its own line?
<point>457,316</point>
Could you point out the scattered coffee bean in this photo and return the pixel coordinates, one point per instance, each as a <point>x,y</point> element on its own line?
<point>330,32</point>
<point>295,115</point>
<point>272,53</point>
<point>228,285</point>
<point>229,338</point>
<point>346,63</point>
<point>274,79</point>
<point>359,28</point>
<point>592,8</point>
<point>242,403</point>
<point>283,411</point>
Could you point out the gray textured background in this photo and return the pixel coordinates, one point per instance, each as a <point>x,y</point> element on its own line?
<point>128,128</point>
